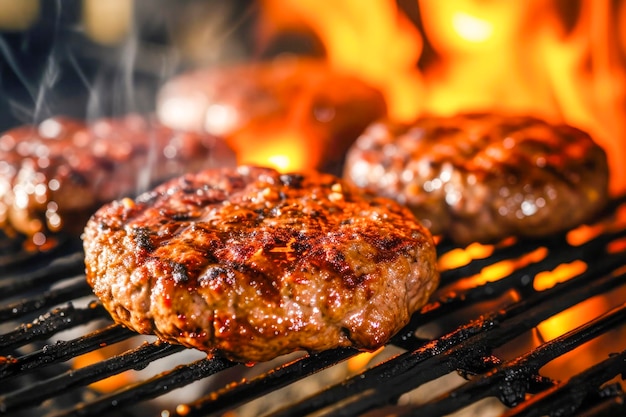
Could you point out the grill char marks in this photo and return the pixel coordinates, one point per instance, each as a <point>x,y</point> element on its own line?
<point>266,264</point>
<point>484,177</point>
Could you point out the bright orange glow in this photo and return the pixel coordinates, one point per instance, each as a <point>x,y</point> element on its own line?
<point>617,246</point>
<point>471,28</point>
<point>561,273</point>
<point>571,318</point>
<point>462,256</point>
<point>282,162</point>
<point>372,40</point>
<point>286,151</point>
<point>583,234</point>
<point>109,384</point>
<point>503,268</point>
<point>360,361</point>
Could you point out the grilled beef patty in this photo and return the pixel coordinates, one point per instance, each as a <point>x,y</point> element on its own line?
<point>55,175</point>
<point>252,264</point>
<point>484,177</point>
<point>274,104</point>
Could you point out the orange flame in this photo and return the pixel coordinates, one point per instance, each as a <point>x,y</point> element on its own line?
<point>520,57</point>
<point>515,56</point>
<point>373,40</point>
<point>284,149</point>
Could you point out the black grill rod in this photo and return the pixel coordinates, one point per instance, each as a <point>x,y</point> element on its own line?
<point>16,255</point>
<point>34,394</point>
<point>48,324</point>
<point>64,350</point>
<point>517,319</point>
<point>388,380</point>
<point>510,381</point>
<point>236,395</point>
<point>46,300</point>
<point>520,248</point>
<point>66,267</point>
<point>568,396</point>
<point>158,385</point>
<point>612,406</point>
<point>521,279</point>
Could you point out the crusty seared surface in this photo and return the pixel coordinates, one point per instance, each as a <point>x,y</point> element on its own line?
<point>484,177</point>
<point>252,264</point>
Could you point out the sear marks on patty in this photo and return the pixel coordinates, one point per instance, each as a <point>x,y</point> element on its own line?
<point>484,177</point>
<point>252,264</point>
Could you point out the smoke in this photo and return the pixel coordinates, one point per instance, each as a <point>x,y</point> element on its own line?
<point>36,89</point>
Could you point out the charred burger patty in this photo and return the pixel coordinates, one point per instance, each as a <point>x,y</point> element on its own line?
<point>484,177</point>
<point>252,264</point>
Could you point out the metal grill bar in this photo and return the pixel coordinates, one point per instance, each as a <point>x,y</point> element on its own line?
<point>16,284</point>
<point>137,358</point>
<point>509,381</point>
<point>62,351</point>
<point>238,394</point>
<point>165,382</point>
<point>572,393</point>
<point>47,300</point>
<point>560,252</point>
<point>47,325</point>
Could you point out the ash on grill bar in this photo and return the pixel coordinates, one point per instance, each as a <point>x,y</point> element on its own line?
<point>518,328</point>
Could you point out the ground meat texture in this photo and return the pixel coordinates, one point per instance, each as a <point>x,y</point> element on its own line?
<point>53,176</point>
<point>252,264</point>
<point>282,103</point>
<point>484,177</point>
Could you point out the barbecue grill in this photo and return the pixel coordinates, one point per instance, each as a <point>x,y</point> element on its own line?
<point>481,325</point>
<point>520,328</point>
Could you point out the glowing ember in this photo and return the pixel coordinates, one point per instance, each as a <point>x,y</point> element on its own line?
<point>562,273</point>
<point>463,256</point>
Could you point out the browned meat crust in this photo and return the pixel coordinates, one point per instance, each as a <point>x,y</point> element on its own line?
<point>481,177</point>
<point>301,99</point>
<point>252,264</point>
<point>55,175</point>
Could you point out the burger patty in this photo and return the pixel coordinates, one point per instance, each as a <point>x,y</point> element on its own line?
<point>484,177</point>
<point>284,103</point>
<point>252,264</point>
<point>55,175</point>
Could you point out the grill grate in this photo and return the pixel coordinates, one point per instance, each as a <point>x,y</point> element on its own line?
<point>475,328</point>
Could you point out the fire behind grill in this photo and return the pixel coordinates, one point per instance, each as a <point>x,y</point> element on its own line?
<point>486,332</point>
